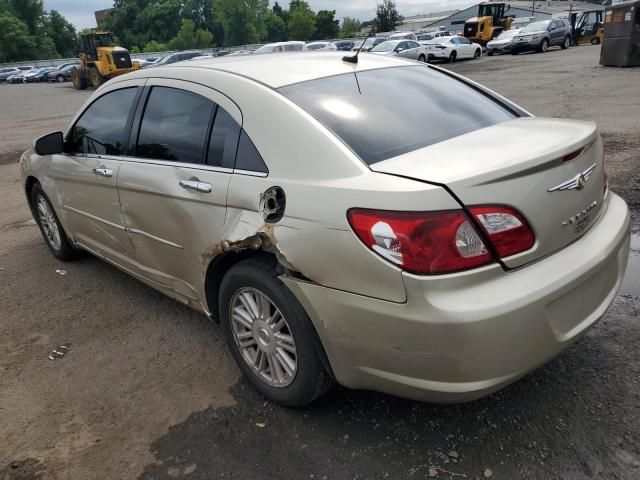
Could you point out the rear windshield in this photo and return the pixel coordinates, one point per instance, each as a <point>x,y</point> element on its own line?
<point>384,113</point>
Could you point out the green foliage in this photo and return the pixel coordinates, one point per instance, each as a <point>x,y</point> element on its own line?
<point>350,27</point>
<point>276,28</point>
<point>62,33</point>
<point>154,46</point>
<point>387,16</point>
<point>327,26</point>
<point>302,21</point>
<point>135,49</point>
<point>243,21</point>
<point>15,41</point>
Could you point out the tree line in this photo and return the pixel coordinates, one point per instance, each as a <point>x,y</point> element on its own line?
<point>28,32</point>
<point>144,26</point>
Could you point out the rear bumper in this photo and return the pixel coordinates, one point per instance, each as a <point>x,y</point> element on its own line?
<point>460,337</point>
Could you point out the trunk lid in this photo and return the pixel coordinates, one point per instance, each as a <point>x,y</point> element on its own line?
<point>520,164</point>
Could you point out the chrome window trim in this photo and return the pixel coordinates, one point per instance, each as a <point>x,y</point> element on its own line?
<point>250,173</point>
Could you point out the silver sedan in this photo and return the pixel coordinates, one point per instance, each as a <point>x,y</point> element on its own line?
<point>402,48</point>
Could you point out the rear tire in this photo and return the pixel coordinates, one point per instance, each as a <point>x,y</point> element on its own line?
<point>249,293</point>
<point>95,78</point>
<point>452,57</point>
<point>79,78</point>
<point>566,44</point>
<point>595,41</point>
<point>50,227</point>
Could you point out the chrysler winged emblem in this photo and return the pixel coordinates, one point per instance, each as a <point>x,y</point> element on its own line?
<point>576,183</point>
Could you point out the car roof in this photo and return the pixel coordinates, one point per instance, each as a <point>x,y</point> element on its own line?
<point>278,70</point>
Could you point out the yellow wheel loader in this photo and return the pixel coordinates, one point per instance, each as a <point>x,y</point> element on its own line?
<point>100,60</point>
<point>587,27</point>
<point>491,21</point>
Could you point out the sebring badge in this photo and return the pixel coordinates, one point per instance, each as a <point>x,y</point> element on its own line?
<point>576,183</point>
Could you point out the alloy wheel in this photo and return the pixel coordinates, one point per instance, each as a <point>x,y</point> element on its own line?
<point>263,337</point>
<point>49,223</point>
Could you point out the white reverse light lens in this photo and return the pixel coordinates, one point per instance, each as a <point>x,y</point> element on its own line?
<point>387,244</point>
<point>468,242</point>
<point>498,222</point>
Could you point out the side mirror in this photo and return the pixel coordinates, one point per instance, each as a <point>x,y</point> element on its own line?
<point>49,144</point>
<point>398,50</point>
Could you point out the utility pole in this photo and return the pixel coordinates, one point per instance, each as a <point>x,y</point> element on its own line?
<point>533,8</point>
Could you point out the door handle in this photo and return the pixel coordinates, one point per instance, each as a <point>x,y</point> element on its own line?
<point>103,171</point>
<point>196,185</point>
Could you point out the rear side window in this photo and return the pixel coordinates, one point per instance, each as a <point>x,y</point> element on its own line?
<point>223,141</point>
<point>174,126</point>
<point>101,128</point>
<point>384,113</point>
<point>248,158</point>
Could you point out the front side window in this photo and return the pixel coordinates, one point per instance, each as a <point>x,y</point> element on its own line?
<point>429,108</point>
<point>101,128</point>
<point>174,126</point>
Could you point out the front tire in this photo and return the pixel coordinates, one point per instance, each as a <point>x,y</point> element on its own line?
<point>544,46</point>
<point>50,227</point>
<point>79,78</point>
<point>422,59</point>
<point>595,41</point>
<point>60,78</point>
<point>453,57</point>
<point>477,54</point>
<point>270,335</point>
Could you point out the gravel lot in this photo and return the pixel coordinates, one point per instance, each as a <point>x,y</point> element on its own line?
<point>148,391</point>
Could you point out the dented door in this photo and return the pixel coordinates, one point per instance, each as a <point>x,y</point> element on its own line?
<point>174,204</point>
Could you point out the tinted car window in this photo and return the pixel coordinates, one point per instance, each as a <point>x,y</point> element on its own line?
<point>101,128</point>
<point>174,126</point>
<point>378,120</point>
<point>248,157</point>
<point>224,140</point>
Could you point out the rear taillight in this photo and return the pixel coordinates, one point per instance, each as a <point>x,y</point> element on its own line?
<point>507,229</point>
<point>421,242</point>
<point>441,242</point>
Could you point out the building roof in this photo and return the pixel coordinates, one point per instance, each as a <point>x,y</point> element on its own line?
<point>279,69</point>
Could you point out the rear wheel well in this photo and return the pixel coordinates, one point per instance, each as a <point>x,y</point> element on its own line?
<point>220,266</point>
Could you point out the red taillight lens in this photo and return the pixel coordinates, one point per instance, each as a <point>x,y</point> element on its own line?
<point>441,242</point>
<point>507,229</point>
<point>422,242</point>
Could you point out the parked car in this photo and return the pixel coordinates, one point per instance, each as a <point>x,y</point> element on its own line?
<point>452,48</point>
<point>8,72</point>
<point>345,45</point>
<point>61,74</point>
<point>239,53</point>
<point>369,43</point>
<point>440,252</point>
<point>403,36</point>
<point>539,36</point>
<point>19,77</point>
<point>401,48</point>
<point>321,46</point>
<point>502,43</point>
<point>36,76</point>
<point>430,36</point>
<point>173,58</point>
<point>18,74</point>
<point>281,47</point>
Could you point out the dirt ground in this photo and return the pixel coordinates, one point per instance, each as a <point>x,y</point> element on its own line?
<point>148,391</point>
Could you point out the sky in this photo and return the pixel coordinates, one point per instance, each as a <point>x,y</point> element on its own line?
<point>80,12</point>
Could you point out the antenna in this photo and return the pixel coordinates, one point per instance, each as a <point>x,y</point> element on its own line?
<point>354,58</point>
